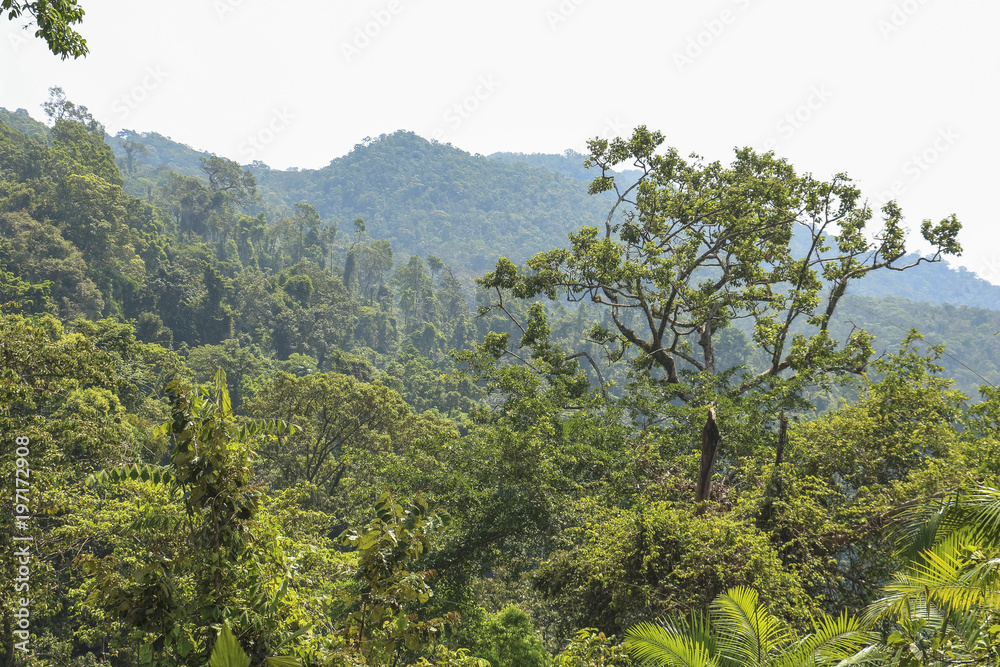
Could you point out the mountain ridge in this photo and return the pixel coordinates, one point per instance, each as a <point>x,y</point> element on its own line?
<point>427,198</point>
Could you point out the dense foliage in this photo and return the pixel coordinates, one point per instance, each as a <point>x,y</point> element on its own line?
<point>271,420</point>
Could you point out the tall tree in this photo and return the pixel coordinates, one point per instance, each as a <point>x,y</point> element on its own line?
<point>59,107</point>
<point>690,248</point>
<point>226,176</point>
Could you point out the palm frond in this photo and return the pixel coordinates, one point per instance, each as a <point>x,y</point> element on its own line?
<point>834,640</point>
<point>980,511</point>
<point>974,512</point>
<point>873,654</point>
<point>666,644</point>
<point>972,631</point>
<point>748,633</point>
<point>944,577</point>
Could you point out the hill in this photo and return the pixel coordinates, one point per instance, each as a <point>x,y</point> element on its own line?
<point>431,198</point>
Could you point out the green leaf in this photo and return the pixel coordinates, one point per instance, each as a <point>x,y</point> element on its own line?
<point>183,646</point>
<point>284,661</point>
<point>227,651</point>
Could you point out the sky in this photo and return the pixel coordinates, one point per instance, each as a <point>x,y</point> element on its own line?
<point>902,95</point>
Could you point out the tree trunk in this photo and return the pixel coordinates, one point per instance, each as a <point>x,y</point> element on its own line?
<point>710,438</point>
<point>775,486</point>
<point>782,441</point>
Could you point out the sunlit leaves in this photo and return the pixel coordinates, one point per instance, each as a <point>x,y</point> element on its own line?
<point>379,615</point>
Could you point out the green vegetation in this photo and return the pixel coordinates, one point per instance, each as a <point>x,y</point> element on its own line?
<point>55,20</point>
<point>271,418</point>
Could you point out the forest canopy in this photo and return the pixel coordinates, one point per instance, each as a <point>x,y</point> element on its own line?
<point>422,407</point>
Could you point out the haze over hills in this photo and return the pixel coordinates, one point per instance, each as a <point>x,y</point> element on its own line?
<point>431,199</point>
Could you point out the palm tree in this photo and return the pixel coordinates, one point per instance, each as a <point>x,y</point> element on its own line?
<point>740,632</point>
<point>940,608</point>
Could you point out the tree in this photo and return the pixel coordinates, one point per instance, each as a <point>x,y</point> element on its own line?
<point>134,150</point>
<point>591,648</point>
<point>54,19</point>
<point>294,231</point>
<point>58,107</point>
<point>189,202</point>
<point>228,563</point>
<point>348,429</point>
<point>625,565</point>
<point>435,264</point>
<point>381,619</point>
<point>249,233</point>
<point>691,248</point>
<point>416,293</point>
<point>507,639</point>
<point>374,261</point>
<point>704,246</point>
<point>226,176</point>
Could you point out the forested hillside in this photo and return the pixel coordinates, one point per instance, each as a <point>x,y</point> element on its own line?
<point>405,152</point>
<point>274,409</point>
<point>414,215</point>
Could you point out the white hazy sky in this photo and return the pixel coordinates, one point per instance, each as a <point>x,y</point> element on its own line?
<point>900,94</point>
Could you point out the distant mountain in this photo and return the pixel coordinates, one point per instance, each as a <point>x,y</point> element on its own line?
<point>163,153</point>
<point>568,163</point>
<point>971,335</point>
<point>431,198</point>
<point>932,283</point>
<point>22,121</point>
